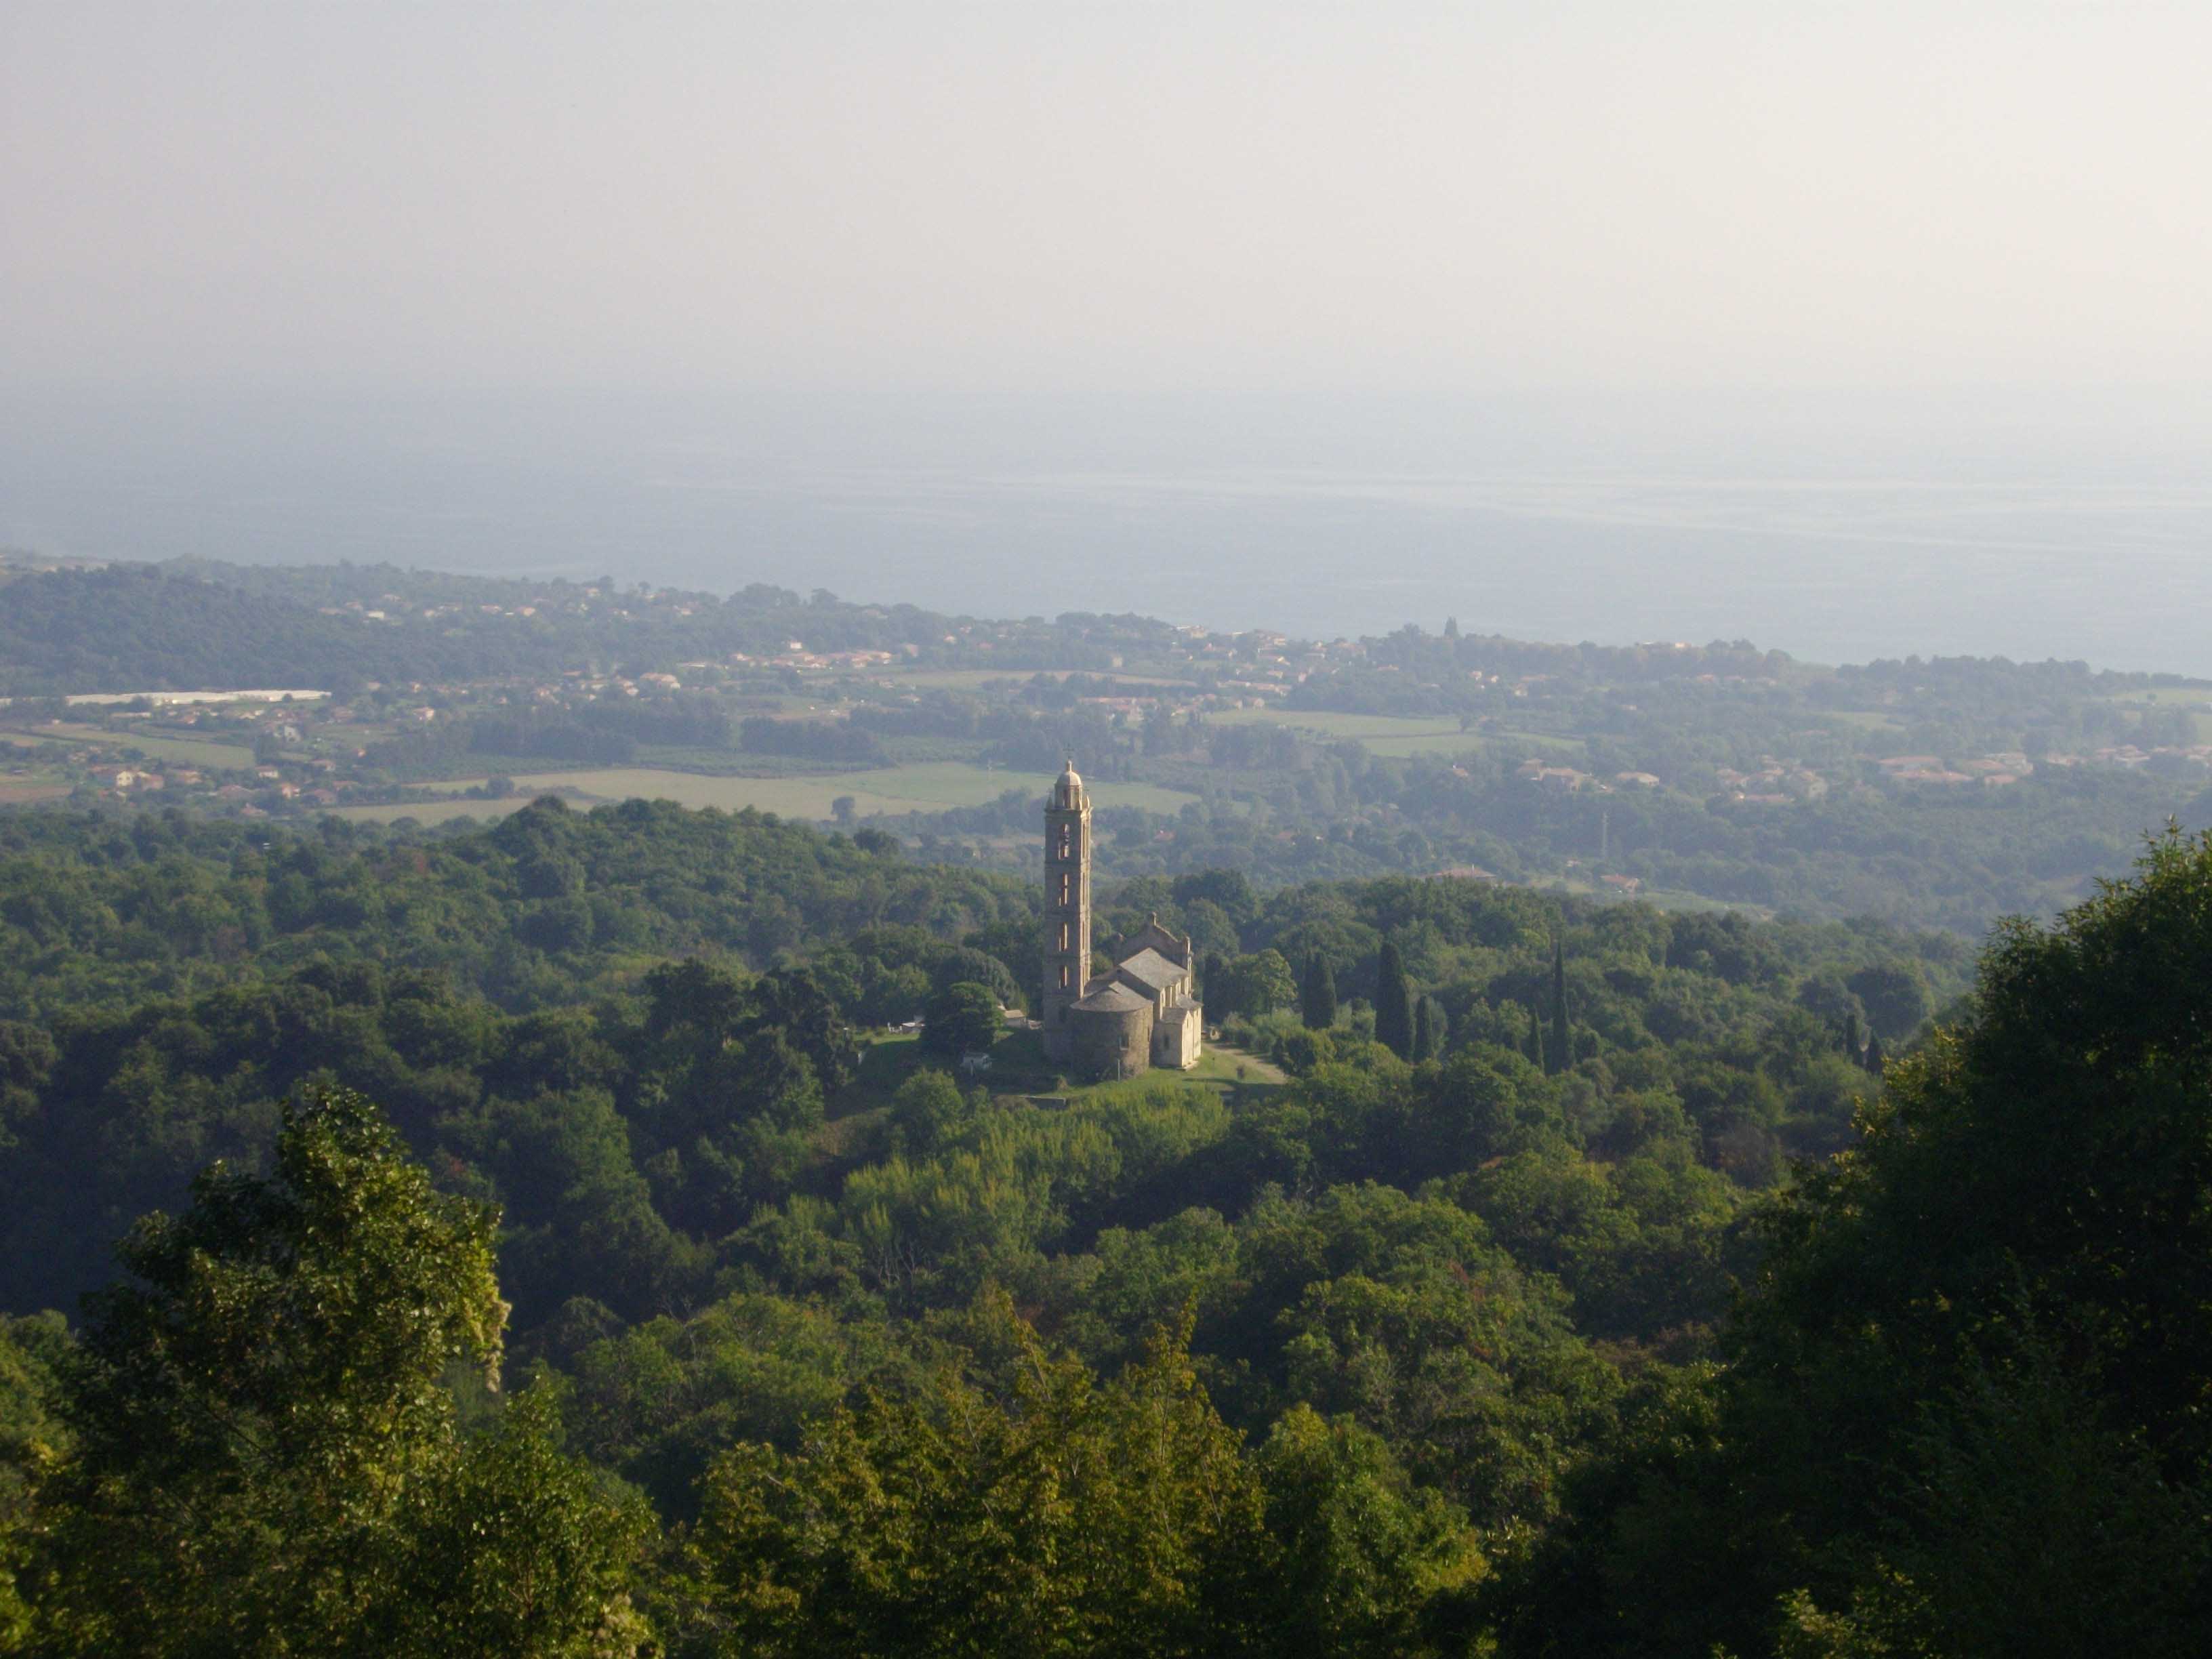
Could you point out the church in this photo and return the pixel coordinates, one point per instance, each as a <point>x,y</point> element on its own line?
<point>1143,1014</point>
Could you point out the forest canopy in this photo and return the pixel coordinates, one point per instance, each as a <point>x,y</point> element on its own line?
<point>1695,1283</point>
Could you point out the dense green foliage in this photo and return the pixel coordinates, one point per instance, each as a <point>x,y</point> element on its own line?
<point>551,906</point>
<point>264,1453</point>
<point>1963,1407</point>
<point>1631,1309</point>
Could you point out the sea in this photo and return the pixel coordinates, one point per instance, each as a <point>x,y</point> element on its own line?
<point>1837,539</point>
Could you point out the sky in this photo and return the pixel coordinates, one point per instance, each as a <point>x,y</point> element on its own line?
<point>1854,330</point>
<point>1105,198</point>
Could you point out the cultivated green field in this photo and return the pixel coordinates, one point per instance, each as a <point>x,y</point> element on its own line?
<point>931,787</point>
<point>2197,699</point>
<point>185,751</point>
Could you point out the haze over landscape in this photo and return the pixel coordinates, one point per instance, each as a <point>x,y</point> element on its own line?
<point>1857,330</point>
<point>1105,830</point>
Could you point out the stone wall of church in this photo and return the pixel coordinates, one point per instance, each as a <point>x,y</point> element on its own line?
<point>1175,1040</point>
<point>1111,1043</point>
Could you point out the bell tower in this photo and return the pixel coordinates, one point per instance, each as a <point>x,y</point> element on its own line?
<point>1067,907</point>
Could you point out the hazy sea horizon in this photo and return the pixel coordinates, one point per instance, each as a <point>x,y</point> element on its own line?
<point>1837,551</point>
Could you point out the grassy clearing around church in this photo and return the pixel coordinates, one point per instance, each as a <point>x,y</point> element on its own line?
<point>926,786</point>
<point>1019,1070</point>
<point>1233,1065</point>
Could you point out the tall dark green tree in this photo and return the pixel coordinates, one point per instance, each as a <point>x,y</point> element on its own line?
<point>1317,995</point>
<point>1428,1029</point>
<point>1394,1002</point>
<point>1559,1054</point>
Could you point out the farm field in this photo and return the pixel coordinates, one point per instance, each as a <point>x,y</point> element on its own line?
<point>185,751</point>
<point>928,787</point>
<point>2196,700</point>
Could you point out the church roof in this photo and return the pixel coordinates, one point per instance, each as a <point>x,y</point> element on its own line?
<point>1154,969</point>
<point>1153,937</point>
<point>1114,999</point>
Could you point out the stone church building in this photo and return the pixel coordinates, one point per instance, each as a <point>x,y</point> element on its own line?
<point>1144,1014</point>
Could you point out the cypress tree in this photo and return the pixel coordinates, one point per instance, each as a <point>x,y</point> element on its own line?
<point>1562,1053</point>
<point>1317,996</point>
<point>1532,1043</point>
<point>1873,1061</point>
<point>1853,1043</point>
<point>1394,1002</point>
<point>1428,1030</point>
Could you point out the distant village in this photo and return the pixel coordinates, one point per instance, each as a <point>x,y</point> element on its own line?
<point>1408,751</point>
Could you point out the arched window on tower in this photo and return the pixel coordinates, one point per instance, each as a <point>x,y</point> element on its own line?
<point>1067,840</point>
<point>1064,940</point>
<point>1063,976</point>
<point>1067,888</point>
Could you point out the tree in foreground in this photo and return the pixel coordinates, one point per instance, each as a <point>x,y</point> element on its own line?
<point>1017,1505</point>
<point>1016,1508</point>
<point>33,1440</point>
<point>1964,1410</point>
<point>1357,1560</point>
<point>266,1454</point>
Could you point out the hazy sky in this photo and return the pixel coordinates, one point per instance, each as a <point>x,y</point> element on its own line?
<point>1115,197</point>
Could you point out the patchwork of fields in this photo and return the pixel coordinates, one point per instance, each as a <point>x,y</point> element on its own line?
<point>181,751</point>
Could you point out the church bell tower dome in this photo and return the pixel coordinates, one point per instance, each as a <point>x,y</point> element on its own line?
<point>1067,790</point>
